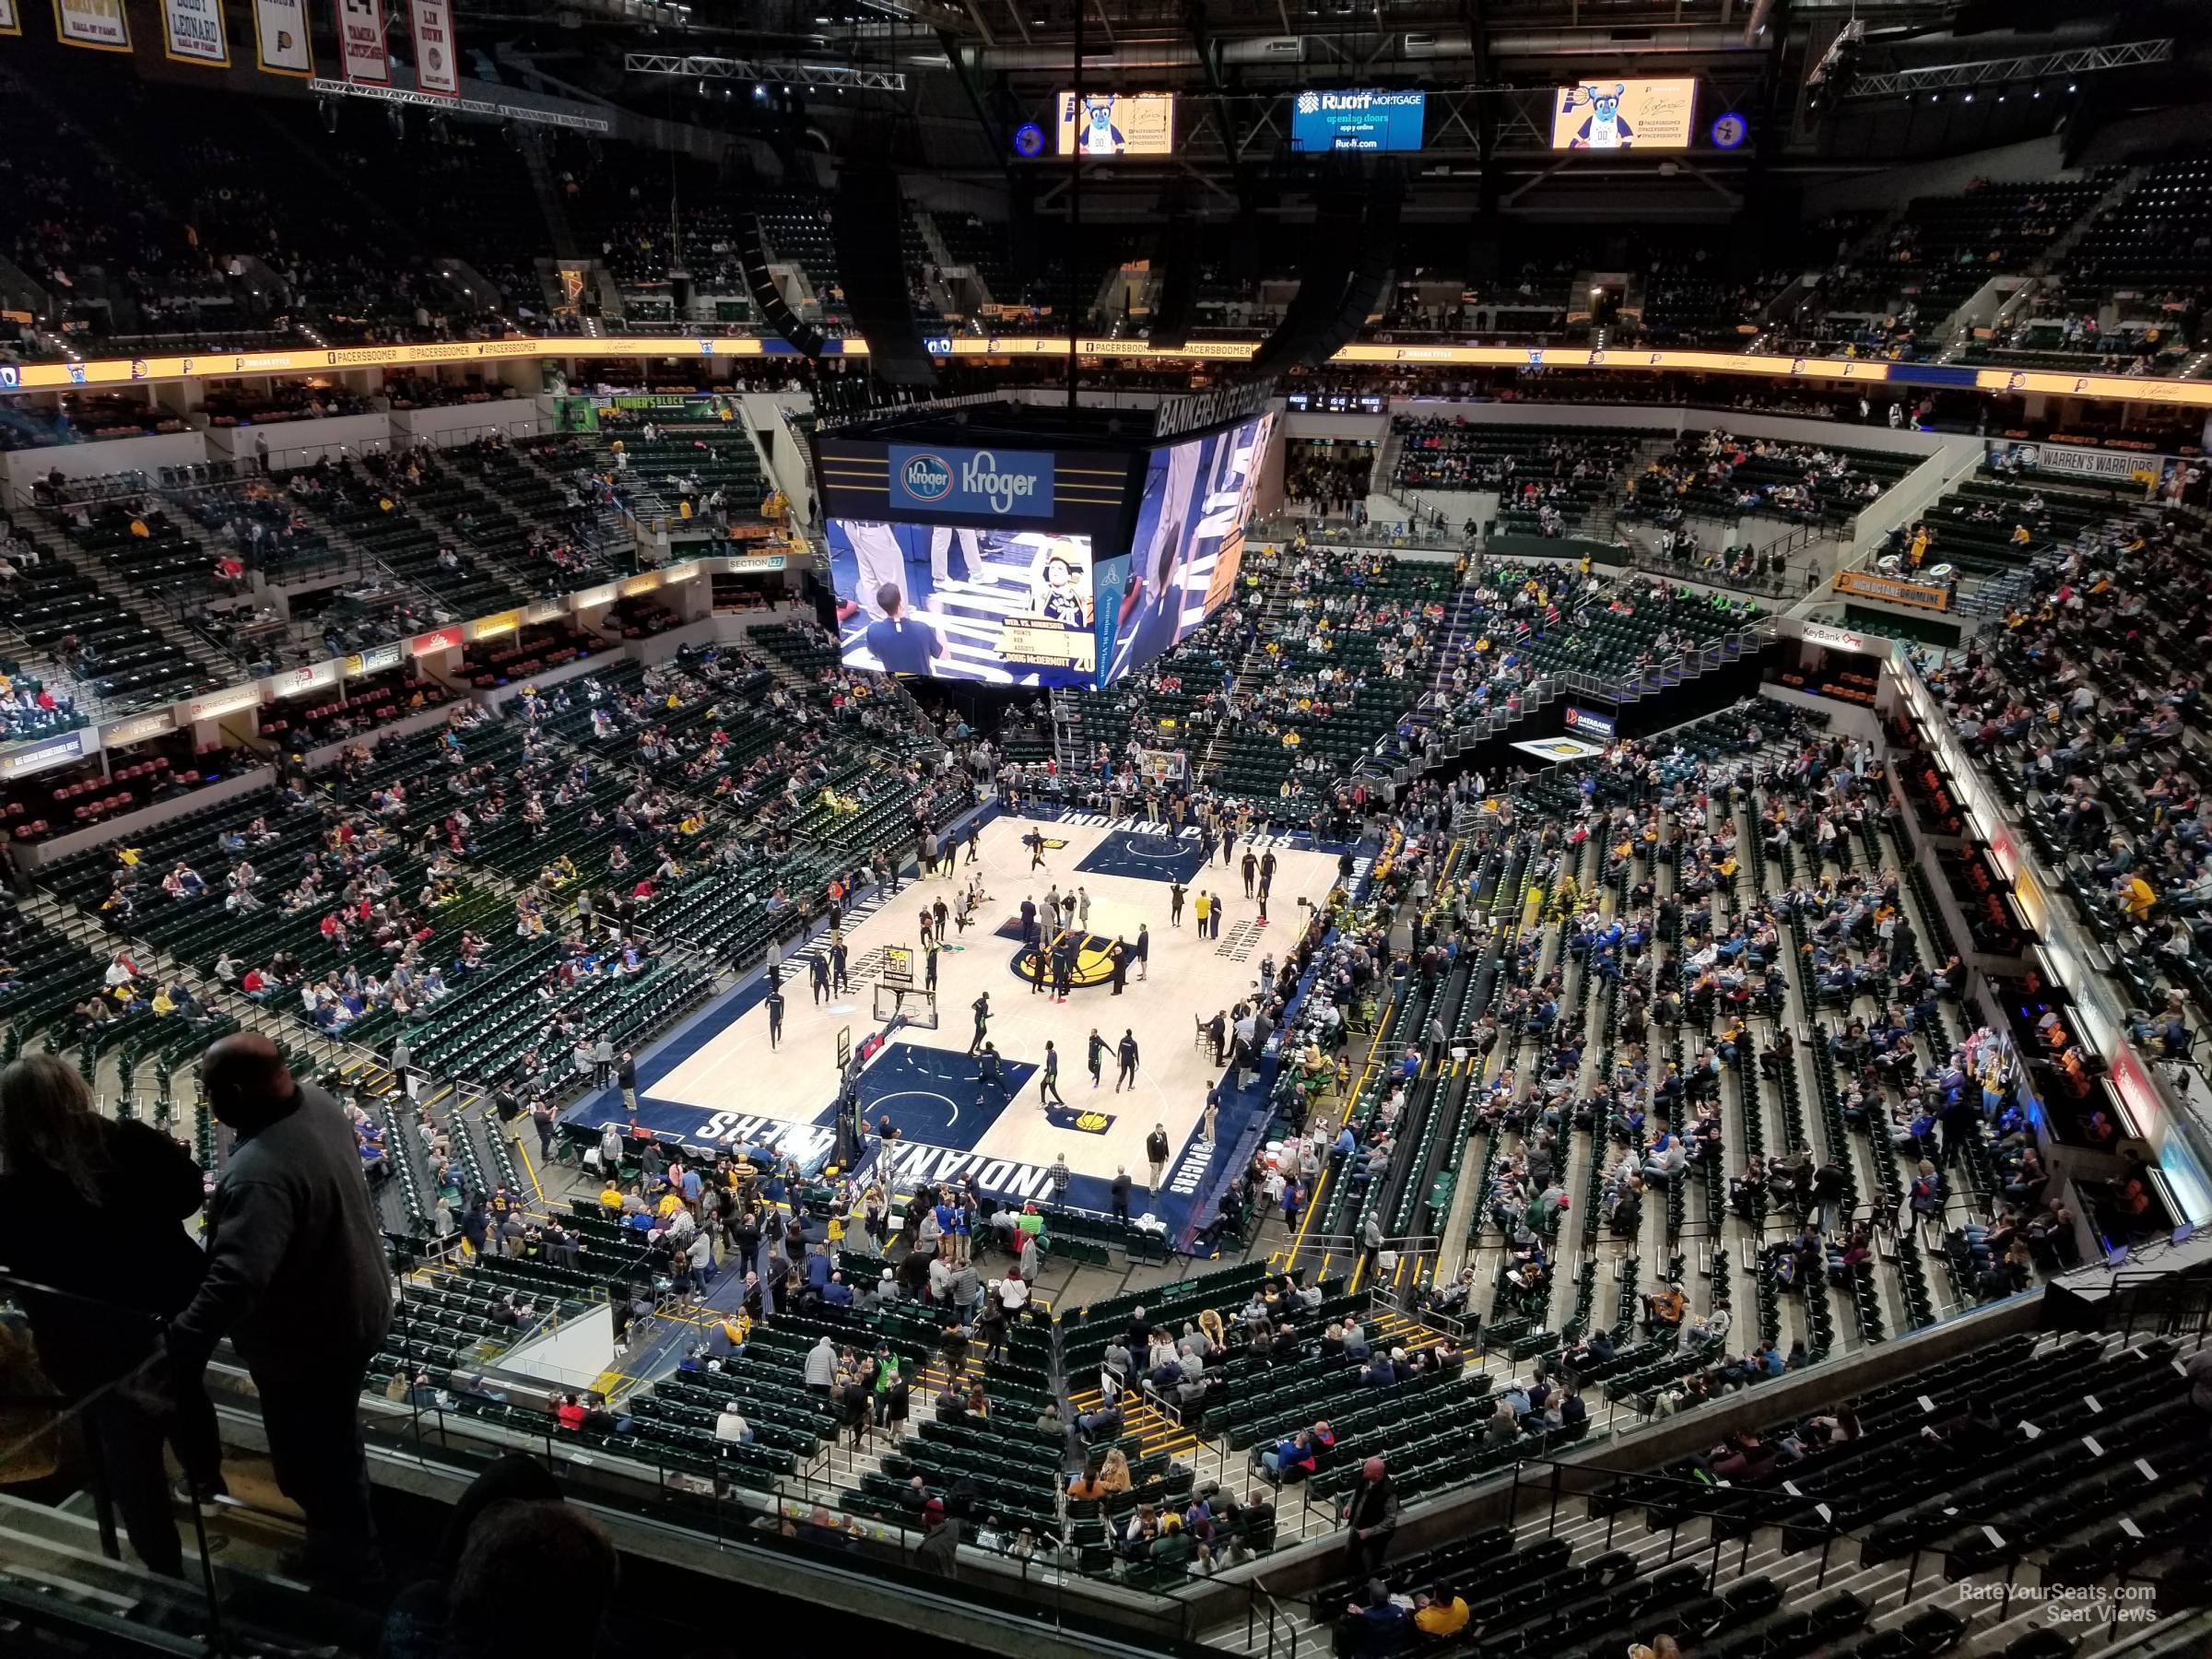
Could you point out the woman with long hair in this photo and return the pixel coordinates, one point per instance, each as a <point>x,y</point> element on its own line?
<point>93,1211</point>
<point>1113,1473</point>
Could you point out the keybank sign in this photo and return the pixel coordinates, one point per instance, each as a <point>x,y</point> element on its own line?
<point>992,483</point>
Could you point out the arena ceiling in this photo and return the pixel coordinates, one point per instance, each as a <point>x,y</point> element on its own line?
<point>1822,88</point>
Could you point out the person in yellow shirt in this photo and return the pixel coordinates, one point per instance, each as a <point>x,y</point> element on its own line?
<point>611,1197</point>
<point>1440,1612</point>
<point>2137,897</point>
<point>1201,907</point>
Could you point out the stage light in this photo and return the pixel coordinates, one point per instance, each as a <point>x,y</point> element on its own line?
<point>1969,98</point>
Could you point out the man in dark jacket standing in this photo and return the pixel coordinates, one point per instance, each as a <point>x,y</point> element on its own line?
<point>1370,1520</point>
<point>296,1279</point>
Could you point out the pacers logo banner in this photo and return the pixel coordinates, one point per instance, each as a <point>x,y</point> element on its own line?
<point>361,58</point>
<point>192,32</point>
<point>99,25</point>
<point>1091,961</point>
<point>436,68</point>
<point>11,21</point>
<point>281,42</point>
<point>1081,1120</point>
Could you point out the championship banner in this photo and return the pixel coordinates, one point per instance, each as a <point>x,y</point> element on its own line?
<point>192,32</point>
<point>11,20</point>
<point>97,24</point>
<point>361,58</point>
<point>280,39</point>
<point>436,68</point>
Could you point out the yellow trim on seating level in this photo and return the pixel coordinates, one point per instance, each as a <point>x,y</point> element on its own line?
<point>122,372</point>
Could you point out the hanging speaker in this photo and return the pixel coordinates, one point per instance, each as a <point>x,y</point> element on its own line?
<point>768,299</point>
<point>1349,255</point>
<point>870,268</point>
<point>1178,285</point>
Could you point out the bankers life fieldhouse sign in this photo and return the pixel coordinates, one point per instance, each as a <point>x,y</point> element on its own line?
<point>973,482</point>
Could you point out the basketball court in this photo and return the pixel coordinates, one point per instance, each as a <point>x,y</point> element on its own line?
<point>717,1081</point>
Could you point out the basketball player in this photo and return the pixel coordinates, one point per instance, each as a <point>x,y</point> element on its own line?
<point>1098,1055</point>
<point>982,1020</point>
<point>1035,839</point>
<point>879,562</point>
<point>1175,904</point>
<point>775,1014</point>
<point>1049,1090</point>
<point>1126,1053</point>
<point>941,538</point>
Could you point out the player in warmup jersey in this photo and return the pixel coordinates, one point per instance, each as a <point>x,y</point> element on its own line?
<point>901,644</point>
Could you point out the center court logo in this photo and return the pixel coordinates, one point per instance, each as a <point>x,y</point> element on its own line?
<point>927,477</point>
<point>1081,1120</point>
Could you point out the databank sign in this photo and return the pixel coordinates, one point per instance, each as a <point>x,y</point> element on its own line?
<point>1365,120</point>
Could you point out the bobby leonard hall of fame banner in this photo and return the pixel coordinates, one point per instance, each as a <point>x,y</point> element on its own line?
<point>11,19</point>
<point>191,32</point>
<point>96,25</point>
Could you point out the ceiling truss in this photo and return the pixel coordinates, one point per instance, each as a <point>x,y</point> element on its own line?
<point>763,70</point>
<point>1993,72</point>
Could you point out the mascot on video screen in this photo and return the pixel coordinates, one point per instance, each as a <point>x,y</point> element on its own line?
<point>1100,136</point>
<point>1603,128</point>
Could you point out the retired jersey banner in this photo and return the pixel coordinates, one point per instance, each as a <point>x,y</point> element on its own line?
<point>11,20</point>
<point>436,68</point>
<point>192,32</point>
<point>281,42</point>
<point>96,24</point>
<point>361,58</point>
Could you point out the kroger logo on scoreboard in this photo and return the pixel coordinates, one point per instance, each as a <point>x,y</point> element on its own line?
<point>989,483</point>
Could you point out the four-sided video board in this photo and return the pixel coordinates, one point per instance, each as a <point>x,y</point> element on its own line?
<point>1014,566</point>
